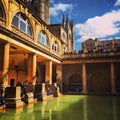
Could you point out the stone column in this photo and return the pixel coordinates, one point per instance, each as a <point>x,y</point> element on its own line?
<point>6,64</point>
<point>32,68</point>
<point>59,79</point>
<point>113,89</point>
<point>48,75</point>
<point>59,72</point>
<point>84,81</point>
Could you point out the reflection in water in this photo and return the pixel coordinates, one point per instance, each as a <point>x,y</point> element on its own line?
<point>114,109</point>
<point>68,107</point>
<point>85,109</point>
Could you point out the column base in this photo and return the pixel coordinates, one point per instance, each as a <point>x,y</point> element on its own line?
<point>31,98</point>
<point>84,91</point>
<point>57,93</point>
<point>14,103</point>
<point>114,92</point>
<point>41,97</point>
<point>12,97</point>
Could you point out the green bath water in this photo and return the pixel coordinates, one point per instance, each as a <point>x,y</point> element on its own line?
<point>68,107</point>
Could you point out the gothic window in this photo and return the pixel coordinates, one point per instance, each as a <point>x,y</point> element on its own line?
<point>21,22</point>
<point>42,37</point>
<point>55,46</point>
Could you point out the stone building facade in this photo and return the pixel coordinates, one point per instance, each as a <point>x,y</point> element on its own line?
<point>30,49</point>
<point>94,69</point>
<point>101,45</point>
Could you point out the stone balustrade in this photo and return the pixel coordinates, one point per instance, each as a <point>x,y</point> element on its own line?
<point>22,34</point>
<point>91,55</point>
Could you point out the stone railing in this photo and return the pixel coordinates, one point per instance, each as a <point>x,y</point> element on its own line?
<point>91,55</point>
<point>47,48</point>
<point>43,46</point>
<point>22,34</point>
<point>56,53</point>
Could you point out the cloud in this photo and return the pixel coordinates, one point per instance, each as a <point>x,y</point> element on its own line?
<point>99,26</point>
<point>57,8</point>
<point>117,3</point>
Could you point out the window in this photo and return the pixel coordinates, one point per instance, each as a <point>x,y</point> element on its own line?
<point>1,14</point>
<point>55,46</point>
<point>15,21</point>
<point>42,37</point>
<point>1,11</point>
<point>21,22</point>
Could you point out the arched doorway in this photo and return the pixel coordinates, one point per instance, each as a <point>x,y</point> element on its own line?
<point>75,83</point>
<point>98,83</point>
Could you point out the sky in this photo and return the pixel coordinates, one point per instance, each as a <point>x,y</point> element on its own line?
<point>92,18</point>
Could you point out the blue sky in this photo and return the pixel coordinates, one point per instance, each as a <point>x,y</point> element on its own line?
<point>92,18</point>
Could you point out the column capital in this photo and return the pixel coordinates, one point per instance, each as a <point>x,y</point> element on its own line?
<point>32,53</point>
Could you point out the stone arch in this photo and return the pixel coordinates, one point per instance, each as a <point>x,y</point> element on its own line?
<point>26,17</point>
<point>75,83</point>
<point>98,83</point>
<point>75,78</point>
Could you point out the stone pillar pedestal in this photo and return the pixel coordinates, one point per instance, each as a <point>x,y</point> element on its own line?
<point>57,92</point>
<point>13,98</point>
<point>30,97</point>
<point>30,93</point>
<point>41,96</point>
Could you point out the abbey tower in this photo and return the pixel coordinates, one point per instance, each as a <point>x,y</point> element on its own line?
<point>42,8</point>
<point>64,30</point>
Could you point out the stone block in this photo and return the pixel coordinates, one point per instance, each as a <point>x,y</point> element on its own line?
<point>12,97</point>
